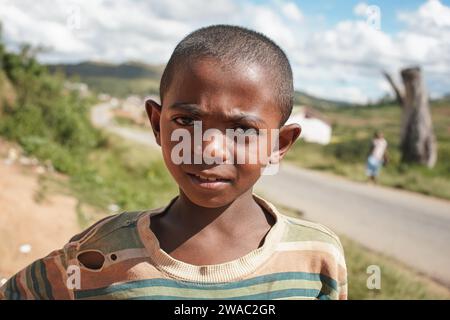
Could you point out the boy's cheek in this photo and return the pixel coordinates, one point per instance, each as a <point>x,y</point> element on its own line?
<point>248,174</point>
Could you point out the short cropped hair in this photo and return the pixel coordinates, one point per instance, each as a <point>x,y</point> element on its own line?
<point>231,45</point>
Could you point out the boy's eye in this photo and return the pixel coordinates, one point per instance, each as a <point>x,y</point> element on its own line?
<point>246,133</point>
<point>184,121</point>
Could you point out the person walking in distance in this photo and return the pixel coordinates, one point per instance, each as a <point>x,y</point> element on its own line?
<point>377,156</point>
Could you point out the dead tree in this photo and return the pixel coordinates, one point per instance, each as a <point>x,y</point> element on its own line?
<point>417,140</point>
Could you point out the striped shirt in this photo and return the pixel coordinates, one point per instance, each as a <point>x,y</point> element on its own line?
<point>298,260</point>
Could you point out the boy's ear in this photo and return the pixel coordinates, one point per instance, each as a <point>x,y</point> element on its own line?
<point>154,115</point>
<point>286,137</point>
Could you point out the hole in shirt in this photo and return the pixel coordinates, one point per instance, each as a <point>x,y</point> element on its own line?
<point>93,260</point>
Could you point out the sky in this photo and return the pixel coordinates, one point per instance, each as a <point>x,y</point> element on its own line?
<point>337,48</point>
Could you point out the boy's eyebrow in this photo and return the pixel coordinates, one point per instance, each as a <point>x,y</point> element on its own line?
<point>249,118</point>
<point>196,110</point>
<point>188,107</point>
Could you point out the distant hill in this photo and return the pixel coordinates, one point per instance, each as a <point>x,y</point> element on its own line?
<point>142,79</point>
<point>319,103</point>
<point>118,80</point>
<point>128,70</point>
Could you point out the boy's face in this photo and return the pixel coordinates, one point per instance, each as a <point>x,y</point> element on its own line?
<point>221,97</point>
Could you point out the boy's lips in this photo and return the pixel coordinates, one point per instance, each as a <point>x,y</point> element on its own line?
<point>209,181</point>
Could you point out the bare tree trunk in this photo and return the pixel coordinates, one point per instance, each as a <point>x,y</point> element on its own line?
<point>417,140</point>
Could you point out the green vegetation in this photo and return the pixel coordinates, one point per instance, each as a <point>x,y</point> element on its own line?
<point>45,118</point>
<point>397,280</point>
<point>126,174</point>
<point>52,123</point>
<point>129,175</point>
<point>353,128</point>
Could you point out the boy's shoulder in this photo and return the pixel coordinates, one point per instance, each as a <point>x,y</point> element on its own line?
<point>303,235</point>
<point>107,225</point>
<point>116,232</point>
<point>300,230</point>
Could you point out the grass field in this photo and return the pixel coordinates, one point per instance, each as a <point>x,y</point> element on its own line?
<point>124,174</point>
<point>352,131</point>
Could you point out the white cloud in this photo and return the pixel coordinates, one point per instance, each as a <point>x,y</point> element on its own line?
<point>109,30</point>
<point>431,18</point>
<point>267,21</point>
<point>384,86</point>
<point>21,26</point>
<point>356,52</point>
<point>361,9</point>
<point>291,11</point>
<point>340,62</point>
<point>129,29</point>
<point>426,40</point>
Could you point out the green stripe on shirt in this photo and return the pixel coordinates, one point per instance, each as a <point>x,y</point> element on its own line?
<point>264,283</point>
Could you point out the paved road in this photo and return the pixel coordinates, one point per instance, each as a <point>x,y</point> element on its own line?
<point>413,228</point>
<point>102,117</point>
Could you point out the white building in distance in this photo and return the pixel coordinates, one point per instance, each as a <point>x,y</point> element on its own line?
<point>314,130</point>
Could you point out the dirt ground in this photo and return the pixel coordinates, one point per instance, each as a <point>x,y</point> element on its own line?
<point>44,224</point>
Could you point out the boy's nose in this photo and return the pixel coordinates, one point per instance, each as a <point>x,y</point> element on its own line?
<point>214,148</point>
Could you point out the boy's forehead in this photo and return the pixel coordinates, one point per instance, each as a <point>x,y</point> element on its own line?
<point>210,72</point>
<point>216,85</point>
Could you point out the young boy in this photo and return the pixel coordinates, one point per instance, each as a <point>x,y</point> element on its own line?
<point>216,239</point>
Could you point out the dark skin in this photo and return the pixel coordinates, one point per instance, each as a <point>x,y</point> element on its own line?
<point>204,219</point>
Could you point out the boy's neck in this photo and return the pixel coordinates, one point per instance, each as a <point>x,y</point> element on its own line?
<point>185,223</point>
<point>242,211</point>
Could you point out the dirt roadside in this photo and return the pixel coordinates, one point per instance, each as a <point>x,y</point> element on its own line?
<point>31,226</point>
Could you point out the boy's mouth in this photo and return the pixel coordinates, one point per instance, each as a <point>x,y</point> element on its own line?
<point>209,181</point>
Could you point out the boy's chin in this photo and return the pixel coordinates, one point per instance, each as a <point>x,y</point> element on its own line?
<point>209,201</point>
